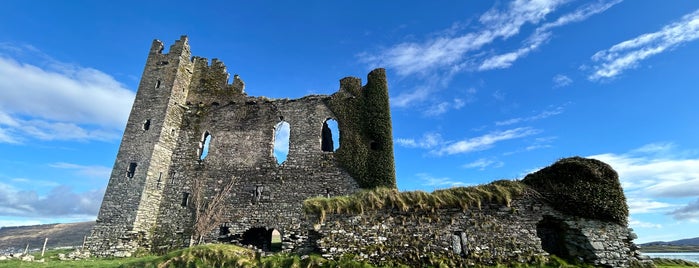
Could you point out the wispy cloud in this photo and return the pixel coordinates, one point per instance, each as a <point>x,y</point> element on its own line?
<point>483,163</point>
<point>543,33</point>
<point>101,172</point>
<point>626,55</point>
<point>485,141</point>
<point>437,59</point>
<point>58,101</point>
<point>428,140</point>
<point>561,81</point>
<point>435,182</point>
<point>542,115</point>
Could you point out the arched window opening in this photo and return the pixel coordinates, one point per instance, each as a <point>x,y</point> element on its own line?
<point>146,125</point>
<point>276,244</point>
<point>268,240</point>
<point>204,145</point>
<point>330,136</point>
<point>281,141</point>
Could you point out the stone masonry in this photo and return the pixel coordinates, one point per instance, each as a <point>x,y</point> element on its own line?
<point>182,102</point>
<point>191,131</point>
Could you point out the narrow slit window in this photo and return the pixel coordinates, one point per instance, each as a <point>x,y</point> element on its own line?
<point>330,136</point>
<point>157,83</point>
<point>131,170</point>
<point>146,125</point>
<point>185,199</point>
<point>281,141</point>
<point>160,177</point>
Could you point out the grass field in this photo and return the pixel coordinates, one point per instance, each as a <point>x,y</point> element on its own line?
<point>219,255</point>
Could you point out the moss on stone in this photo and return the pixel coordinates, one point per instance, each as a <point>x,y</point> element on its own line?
<point>582,187</point>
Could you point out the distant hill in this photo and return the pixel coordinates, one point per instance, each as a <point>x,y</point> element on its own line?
<point>682,245</point>
<point>59,235</point>
<point>681,242</point>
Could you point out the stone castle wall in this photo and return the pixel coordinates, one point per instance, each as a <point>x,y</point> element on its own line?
<point>526,231</point>
<point>181,101</point>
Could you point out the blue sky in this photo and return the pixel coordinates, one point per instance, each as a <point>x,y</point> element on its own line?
<point>479,90</point>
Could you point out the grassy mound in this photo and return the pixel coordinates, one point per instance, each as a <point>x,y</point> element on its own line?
<point>582,187</point>
<point>214,255</point>
<point>500,192</point>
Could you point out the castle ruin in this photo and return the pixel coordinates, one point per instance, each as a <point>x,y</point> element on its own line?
<point>185,103</point>
<point>193,135</point>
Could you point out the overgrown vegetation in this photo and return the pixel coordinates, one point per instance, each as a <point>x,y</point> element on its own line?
<point>500,192</point>
<point>582,187</point>
<point>364,119</point>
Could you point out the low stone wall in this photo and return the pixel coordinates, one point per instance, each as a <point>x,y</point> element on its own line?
<point>526,231</point>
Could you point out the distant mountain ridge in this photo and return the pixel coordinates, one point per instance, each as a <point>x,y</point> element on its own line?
<point>59,235</point>
<point>681,242</point>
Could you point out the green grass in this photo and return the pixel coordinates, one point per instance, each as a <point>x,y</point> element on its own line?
<point>220,255</point>
<point>500,192</point>
<point>667,263</point>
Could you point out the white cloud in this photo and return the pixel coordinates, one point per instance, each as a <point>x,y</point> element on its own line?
<point>633,223</point>
<point>688,212</point>
<point>543,115</point>
<point>428,140</point>
<point>434,182</point>
<point>445,106</point>
<point>87,171</point>
<point>483,163</point>
<point>61,201</point>
<point>484,142</point>
<point>657,179</point>
<point>447,51</point>
<point>59,101</point>
<point>542,34</point>
<point>641,205</point>
<point>561,81</point>
<point>627,54</point>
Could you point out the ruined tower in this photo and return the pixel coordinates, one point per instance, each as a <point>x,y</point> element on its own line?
<point>186,107</point>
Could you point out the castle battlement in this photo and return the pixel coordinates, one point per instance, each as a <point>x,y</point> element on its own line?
<point>186,103</point>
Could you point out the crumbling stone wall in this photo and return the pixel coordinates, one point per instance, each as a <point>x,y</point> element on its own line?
<point>488,235</point>
<point>183,99</point>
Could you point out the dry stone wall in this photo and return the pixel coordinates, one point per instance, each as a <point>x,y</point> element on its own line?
<point>527,231</point>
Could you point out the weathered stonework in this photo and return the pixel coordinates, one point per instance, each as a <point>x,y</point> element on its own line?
<point>183,99</point>
<point>186,105</point>
<point>526,231</point>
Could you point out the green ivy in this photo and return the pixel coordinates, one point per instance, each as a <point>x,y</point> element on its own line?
<point>582,187</point>
<point>364,119</point>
